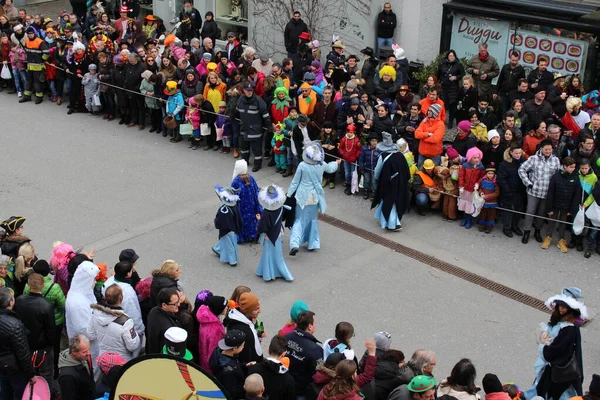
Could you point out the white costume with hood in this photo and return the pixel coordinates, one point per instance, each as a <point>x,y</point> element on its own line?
<point>130,304</point>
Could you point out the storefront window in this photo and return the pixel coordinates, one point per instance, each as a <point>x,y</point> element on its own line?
<point>232,16</point>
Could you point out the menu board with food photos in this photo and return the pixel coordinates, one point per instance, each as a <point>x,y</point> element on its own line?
<point>566,56</point>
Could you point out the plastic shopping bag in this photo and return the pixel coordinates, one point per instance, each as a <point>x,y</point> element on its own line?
<point>5,74</point>
<point>186,129</point>
<point>593,213</point>
<point>219,133</point>
<point>97,101</point>
<point>204,129</point>
<point>354,183</point>
<point>361,183</point>
<point>579,221</point>
<point>478,202</point>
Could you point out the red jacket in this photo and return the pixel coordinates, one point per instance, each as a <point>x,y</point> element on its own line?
<point>469,175</point>
<point>259,88</point>
<point>350,148</point>
<point>277,116</point>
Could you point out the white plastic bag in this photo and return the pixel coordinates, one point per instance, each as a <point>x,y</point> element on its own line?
<point>5,74</point>
<point>593,213</point>
<point>97,101</point>
<point>478,202</point>
<point>361,183</point>
<point>204,129</point>
<point>186,129</point>
<point>579,221</point>
<point>354,183</point>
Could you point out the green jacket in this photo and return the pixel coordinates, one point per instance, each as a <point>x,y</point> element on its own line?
<point>587,184</point>
<point>55,297</point>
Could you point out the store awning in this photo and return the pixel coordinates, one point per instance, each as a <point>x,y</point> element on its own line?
<point>573,15</point>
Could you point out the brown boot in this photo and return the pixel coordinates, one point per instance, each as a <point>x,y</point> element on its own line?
<point>236,153</point>
<point>58,101</point>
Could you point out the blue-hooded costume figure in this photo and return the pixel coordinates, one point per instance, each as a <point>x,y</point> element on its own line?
<point>229,224</point>
<point>270,228</point>
<point>310,198</point>
<point>248,204</point>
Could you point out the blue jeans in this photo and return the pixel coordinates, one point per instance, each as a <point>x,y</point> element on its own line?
<point>422,199</point>
<point>348,169</point>
<point>20,77</point>
<point>436,160</point>
<point>593,237</point>
<point>383,42</point>
<point>12,387</point>
<point>368,181</point>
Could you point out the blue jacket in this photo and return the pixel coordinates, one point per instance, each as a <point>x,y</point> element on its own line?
<point>368,159</point>
<point>308,179</point>
<point>304,352</point>
<point>175,105</point>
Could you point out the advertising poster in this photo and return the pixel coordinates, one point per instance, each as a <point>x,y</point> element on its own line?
<point>566,56</point>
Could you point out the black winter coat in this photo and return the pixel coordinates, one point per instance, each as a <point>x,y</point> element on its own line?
<point>11,244</point>
<point>133,77</point>
<point>461,145</point>
<point>75,380</point>
<point>291,35</point>
<point>15,357</point>
<point>450,88</point>
<point>384,125</point>
<point>210,29</point>
<point>229,372</point>
<point>368,74</point>
<point>386,24</point>
<point>564,193</point>
<point>543,79</point>
<point>385,90</point>
<point>304,352</point>
<point>249,353</point>
<point>387,378</point>
<point>298,137</point>
<point>509,78</point>
<point>559,106</point>
<point>279,385</point>
<point>492,155</point>
<point>160,282</point>
<point>158,323</point>
<point>301,63</point>
<point>37,315</point>
<point>467,99</point>
<point>512,189</point>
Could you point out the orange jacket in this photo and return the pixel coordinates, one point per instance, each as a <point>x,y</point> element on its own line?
<point>431,146</point>
<point>426,103</point>
<point>307,105</point>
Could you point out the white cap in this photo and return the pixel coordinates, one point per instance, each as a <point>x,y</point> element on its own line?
<point>176,335</point>
<point>241,167</point>
<point>492,134</point>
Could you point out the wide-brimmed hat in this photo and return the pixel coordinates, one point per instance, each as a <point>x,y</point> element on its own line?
<point>421,383</point>
<point>12,224</point>
<point>338,44</point>
<point>150,17</point>
<point>271,197</point>
<point>304,36</point>
<point>368,51</point>
<point>558,75</point>
<point>313,153</point>
<point>40,390</point>
<point>228,196</point>
<point>570,302</point>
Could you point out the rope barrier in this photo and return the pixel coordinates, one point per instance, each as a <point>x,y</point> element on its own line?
<point>355,164</point>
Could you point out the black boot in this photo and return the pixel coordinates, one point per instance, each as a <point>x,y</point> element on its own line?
<point>572,242</point>
<point>537,234</point>
<point>579,243</point>
<point>508,232</point>
<point>420,211</point>
<point>39,99</point>
<point>366,194</point>
<point>525,238</point>
<point>517,231</point>
<point>25,99</point>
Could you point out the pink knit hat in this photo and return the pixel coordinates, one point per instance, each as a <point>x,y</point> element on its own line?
<point>472,152</point>
<point>452,153</point>
<point>464,126</point>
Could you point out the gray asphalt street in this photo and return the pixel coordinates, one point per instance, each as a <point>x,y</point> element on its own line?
<point>92,183</point>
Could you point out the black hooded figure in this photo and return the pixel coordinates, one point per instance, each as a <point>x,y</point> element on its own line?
<point>392,189</point>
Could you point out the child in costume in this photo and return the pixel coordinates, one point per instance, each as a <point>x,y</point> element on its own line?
<point>279,149</point>
<point>349,151</point>
<point>222,132</point>
<point>229,224</point>
<point>91,86</point>
<point>410,158</point>
<point>289,124</point>
<point>469,175</point>
<point>280,106</point>
<point>192,115</point>
<point>489,190</point>
<point>587,180</point>
<point>175,105</point>
<point>329,142</point>
<point>272,264</point>
<point>249,207</point>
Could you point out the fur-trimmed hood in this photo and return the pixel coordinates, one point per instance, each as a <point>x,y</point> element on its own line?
<point>507,156</point>
<point>105,315</point>
<point>16,239</point>
<point>323,375</point>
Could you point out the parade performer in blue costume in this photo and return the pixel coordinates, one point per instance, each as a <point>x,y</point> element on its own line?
<point>270,228</point>
<point>391,178</point>
<point>229,224</point>
<point>249,208</point>
<point>306,188</point>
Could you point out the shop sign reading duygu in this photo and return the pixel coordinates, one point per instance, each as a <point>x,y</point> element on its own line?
<point>566,55</point>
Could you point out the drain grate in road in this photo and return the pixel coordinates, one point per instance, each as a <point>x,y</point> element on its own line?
<point>438,264</point>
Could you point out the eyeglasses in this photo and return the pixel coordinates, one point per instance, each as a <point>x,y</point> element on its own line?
<point>150,59</point>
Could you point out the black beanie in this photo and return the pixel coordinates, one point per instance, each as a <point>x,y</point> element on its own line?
<point>216,304</point>
<point>595,385</point>
<point>41,267</point>
<point>491,384</point>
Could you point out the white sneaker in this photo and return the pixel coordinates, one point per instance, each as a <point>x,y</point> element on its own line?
<point>20,94</point>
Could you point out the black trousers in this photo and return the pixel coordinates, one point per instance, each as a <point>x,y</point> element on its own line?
<point>33,83</point>
<point>156,118</point>
<point>255,146</point>
<point>137,109</point>
<point>75,94</point>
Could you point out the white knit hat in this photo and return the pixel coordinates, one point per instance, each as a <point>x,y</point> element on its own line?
<point>241,167</point>
<point>78,46</point>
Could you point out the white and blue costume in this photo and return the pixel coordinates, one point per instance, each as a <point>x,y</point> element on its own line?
<point>229,224</point>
